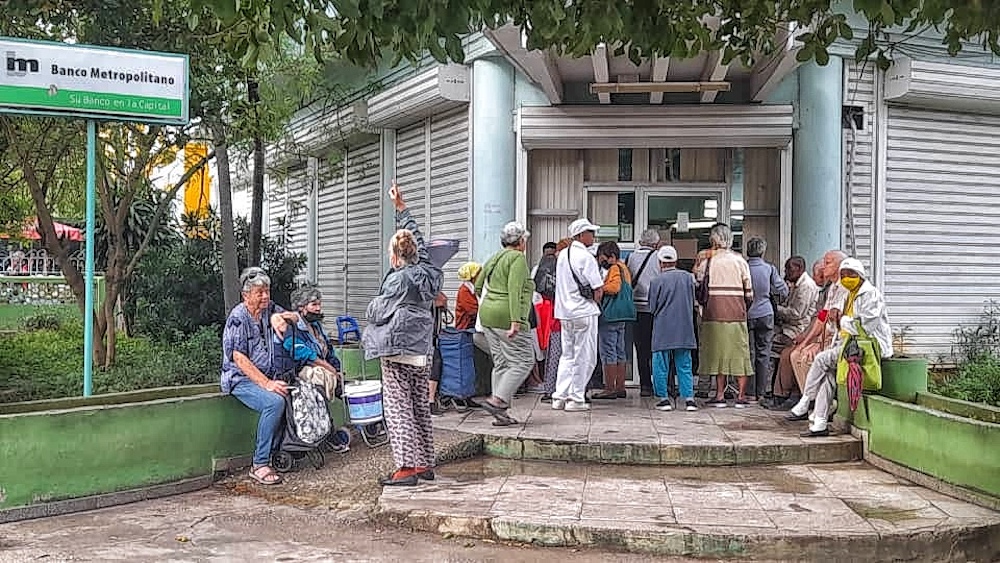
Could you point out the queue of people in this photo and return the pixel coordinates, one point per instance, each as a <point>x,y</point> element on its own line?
<point>733,315</point>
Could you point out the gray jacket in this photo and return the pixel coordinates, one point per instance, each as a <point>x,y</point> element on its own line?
<point>400,317</point>
<point>640,284</point>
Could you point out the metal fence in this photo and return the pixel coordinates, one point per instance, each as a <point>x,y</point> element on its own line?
<point>36,262</point>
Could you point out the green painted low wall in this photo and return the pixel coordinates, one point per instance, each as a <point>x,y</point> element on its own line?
<point>958,450</point>
<point>354,368</point>
<point>73,448</point>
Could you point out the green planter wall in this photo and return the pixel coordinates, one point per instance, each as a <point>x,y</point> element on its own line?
<point>351,362</point>
<point>81,447</point>
<point>955,449</point>
<point>904,378</point>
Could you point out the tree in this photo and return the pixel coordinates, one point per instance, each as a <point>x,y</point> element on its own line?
<point>363,31</point>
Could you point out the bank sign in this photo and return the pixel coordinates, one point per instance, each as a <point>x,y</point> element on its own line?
<point>78,80</point>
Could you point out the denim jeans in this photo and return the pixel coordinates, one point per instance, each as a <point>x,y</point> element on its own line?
<point>682,366</point>
<point>612,341</point>
<point>271,407</point>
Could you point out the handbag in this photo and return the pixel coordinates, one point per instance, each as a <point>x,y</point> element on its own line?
<point>586,291</point>
<point>619,307</point>
<point>701,291</point>
<point>870,361</point>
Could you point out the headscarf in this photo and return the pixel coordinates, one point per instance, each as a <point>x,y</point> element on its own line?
<point>469,271</point>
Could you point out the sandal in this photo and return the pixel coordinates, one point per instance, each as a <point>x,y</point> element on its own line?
<point>504,420</point>
<point>269,477</point>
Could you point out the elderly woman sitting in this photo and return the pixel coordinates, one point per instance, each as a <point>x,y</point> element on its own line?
<point>252,362</point>
<point>309,344</point>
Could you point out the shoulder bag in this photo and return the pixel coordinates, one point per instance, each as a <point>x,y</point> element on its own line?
<point>619,307</point>
<point>586,291</point>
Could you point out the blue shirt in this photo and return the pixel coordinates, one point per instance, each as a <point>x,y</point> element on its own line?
<point>766,284</point>
<point>254,339</point>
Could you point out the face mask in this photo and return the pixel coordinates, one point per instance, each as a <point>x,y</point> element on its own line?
<point>851,284</point>
<point>311,317</point>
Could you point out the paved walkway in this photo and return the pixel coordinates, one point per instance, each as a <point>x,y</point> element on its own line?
<point>709,436</point>
<point>827,511</point>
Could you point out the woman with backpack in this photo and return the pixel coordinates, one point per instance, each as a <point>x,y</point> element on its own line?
<point>617,309</point>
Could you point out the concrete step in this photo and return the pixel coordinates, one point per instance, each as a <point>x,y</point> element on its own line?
<point>829,512</point>
<point>632,432</point>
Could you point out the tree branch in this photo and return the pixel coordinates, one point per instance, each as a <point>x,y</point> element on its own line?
<point>161,209</point>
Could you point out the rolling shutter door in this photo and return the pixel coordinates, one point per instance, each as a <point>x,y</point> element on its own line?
<point>942,246</point>
<point>330,239</point>
<point>364,259</point>
<point>449,189</point>
<point>860,93</point>
<point>411,169</point>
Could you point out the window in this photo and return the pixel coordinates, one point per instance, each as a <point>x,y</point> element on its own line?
<point>614,212</point>
<point>624,165</point>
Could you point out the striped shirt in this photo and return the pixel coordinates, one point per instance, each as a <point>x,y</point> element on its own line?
<point>729,287</point>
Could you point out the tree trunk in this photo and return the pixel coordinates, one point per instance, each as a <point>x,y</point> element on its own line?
<point>257,191</point>
<point>230,275</point>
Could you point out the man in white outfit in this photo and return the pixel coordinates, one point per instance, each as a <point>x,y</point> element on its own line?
<point>864,305</point>
<point>576,269</point>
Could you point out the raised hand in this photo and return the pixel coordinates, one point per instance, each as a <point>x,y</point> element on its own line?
<point>396,195</point>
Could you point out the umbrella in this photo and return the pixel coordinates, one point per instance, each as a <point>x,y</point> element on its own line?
<point>442,250</point>
<point>854,355</point>
<point>62,231</point>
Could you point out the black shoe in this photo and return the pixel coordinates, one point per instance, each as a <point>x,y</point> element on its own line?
<point>815,433</point>
<point>772,404</point>
<point>623,395</point>
<point>646,392</point>
<point>797,417</point>
<point>605,395</point>
<point>546,398</point>
<point>426,475</point>
<point>472,404</point>
<point>389,481</point>
<point>436,409</point>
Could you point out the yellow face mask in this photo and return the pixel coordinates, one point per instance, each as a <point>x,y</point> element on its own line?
<point>851,283</point>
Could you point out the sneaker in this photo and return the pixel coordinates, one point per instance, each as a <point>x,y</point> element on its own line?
<point>664,405</point>
<point>558,404</point>
<point>573,406</point>
<point>546,398</point>
<point>436,409</point>
<point>690,406</point>
<point>717,403</point>
<point>741,403</point>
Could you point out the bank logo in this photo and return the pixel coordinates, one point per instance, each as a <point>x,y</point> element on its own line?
<point>20,67</point>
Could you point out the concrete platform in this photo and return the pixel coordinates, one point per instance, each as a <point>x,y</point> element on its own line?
<point>630,431</point>
<point>830,512</point>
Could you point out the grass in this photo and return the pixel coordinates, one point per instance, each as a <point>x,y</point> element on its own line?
<point>12,316</point>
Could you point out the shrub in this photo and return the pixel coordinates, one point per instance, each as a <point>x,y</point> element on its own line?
<point>977,381</point>
<point>45,320</point>
<point>47,364</point>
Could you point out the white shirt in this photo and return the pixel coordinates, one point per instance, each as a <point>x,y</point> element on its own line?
<point>569,303</point>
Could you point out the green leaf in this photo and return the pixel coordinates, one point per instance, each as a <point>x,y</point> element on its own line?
<point>822,56</point>
<point>845,31</point>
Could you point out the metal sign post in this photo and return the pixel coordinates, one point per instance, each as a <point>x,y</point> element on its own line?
<point>63,80</point>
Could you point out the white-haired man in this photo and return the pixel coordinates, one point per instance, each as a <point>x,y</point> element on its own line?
<point>864,305</point>
<point>642,264</point>
<point>579,289</point>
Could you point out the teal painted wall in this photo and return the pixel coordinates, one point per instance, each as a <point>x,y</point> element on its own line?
<point>960,451</point>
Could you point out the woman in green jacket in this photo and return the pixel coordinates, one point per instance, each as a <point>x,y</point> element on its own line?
<point>506,290</point>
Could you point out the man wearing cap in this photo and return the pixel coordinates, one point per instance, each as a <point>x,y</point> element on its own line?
<point>578,292</point>
<point>671,301</point>
<point>644,268</point>
<point>864,305</point>
<point>504,314</point>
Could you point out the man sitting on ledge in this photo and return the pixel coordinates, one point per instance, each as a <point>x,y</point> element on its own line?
<point>251,360</point>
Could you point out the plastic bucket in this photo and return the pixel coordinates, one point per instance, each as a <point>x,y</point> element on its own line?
<point>364,401</point>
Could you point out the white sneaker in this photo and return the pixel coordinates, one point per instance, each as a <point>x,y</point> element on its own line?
<point>690,406</point>
<point>573,406</point>
<point>558,404</point>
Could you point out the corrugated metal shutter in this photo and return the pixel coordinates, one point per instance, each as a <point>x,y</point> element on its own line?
<point>449,189</point>
<point>860,93</point>
<point>942,247</point>
<point>555,182</point>
<point>411,168</point>
<point>330,244</point>
<point>364,259</point>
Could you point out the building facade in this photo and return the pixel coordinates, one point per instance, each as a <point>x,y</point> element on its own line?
<point>898,167</point>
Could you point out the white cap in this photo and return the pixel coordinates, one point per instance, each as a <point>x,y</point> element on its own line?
<point>581,226</point>
<point>854,265</point>
<point>667,254</point>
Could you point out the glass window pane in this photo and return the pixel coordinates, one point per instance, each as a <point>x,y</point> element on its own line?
<point>614,212</point>
<point>684,222</point>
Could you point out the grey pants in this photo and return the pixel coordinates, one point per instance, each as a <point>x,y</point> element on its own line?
<point>513,359</point>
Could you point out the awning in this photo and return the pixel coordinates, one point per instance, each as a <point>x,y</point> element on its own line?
<point>635,126</point>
